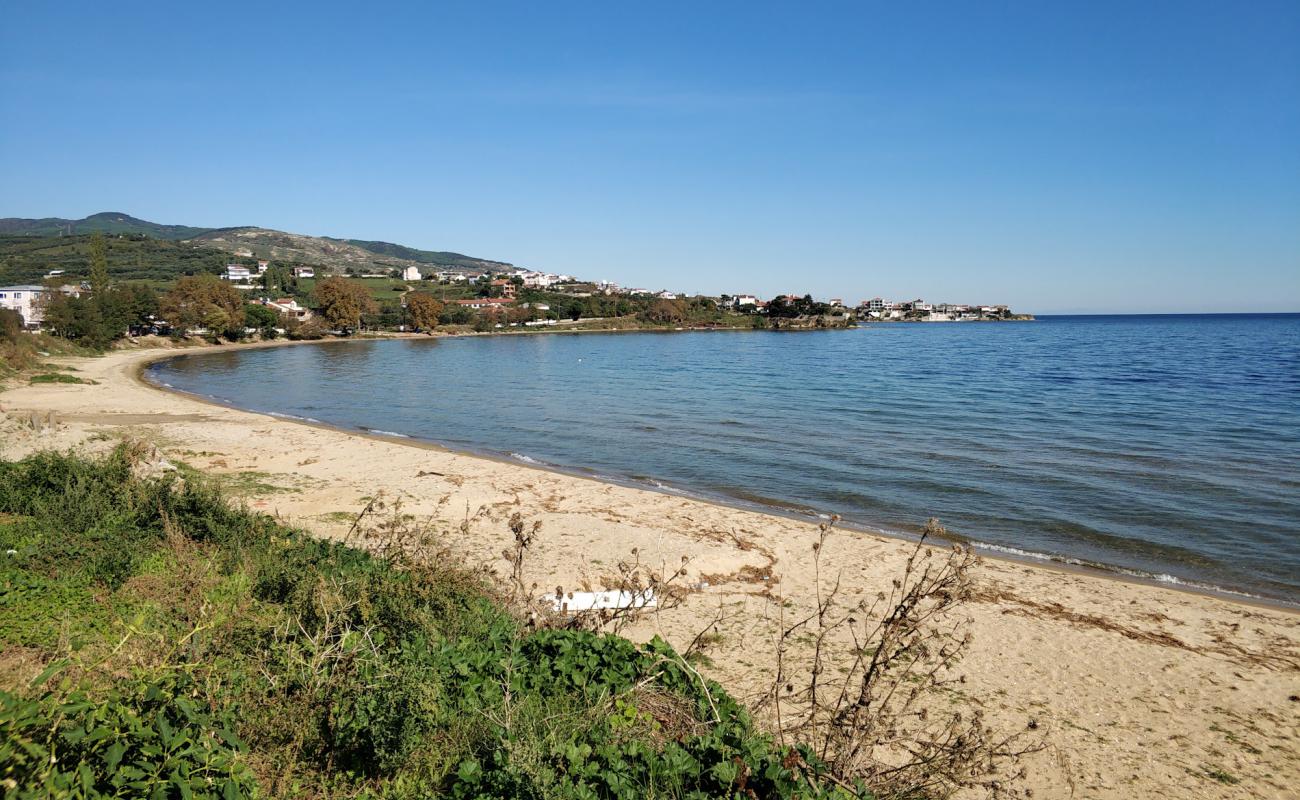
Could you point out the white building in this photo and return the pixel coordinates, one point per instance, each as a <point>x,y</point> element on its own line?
<point>540,280</point>
<point>237,272</point>
<point>304,272</point>
<point>23,299</point>
<point>666,295</point>
<point>742,300</point>
<point>411,274</point>
<point>288,307</point>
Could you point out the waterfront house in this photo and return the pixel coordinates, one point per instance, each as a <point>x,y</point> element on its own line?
<point>289,307</point>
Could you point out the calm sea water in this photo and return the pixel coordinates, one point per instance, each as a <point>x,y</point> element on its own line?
<point>1165,446</point>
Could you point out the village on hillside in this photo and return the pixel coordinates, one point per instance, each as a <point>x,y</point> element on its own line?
<point>294,300</point>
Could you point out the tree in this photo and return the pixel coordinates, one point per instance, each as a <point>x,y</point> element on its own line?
<point>205,301</point>
<point>278,279</point>
<point>422,309</point>
<point>266,320</point>
<point>99,318</point>
<point>342,302</point>
<point>74,317</point>
<point>135,304</point>
<point>666,311</point>
<point>98,263</point>
<point>11,325</point>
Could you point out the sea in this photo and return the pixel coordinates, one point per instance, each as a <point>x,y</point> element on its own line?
<point>1164,448</point>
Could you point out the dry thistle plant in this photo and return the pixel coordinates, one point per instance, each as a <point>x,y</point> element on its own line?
<point>395,536</point>
<point>520,595</point>
<point>882,712</point>
<point>643,589</point>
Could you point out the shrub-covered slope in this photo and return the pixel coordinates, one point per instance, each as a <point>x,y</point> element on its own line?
<point>164,643</point>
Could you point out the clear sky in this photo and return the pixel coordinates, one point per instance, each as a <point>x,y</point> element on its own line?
<point>1090,156</point>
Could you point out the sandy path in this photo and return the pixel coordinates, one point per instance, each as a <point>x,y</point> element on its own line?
<point>1141,691</point>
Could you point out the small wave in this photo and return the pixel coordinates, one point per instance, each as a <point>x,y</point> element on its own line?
<point>1173,580</point>
<point>1155,577</point>
<point>525,459</point>
<point>282,415</point>
<point>386,433</point>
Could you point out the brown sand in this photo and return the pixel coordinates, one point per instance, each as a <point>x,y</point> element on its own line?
<point>1138,690</point>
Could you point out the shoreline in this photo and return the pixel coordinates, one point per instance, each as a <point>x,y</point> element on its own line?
<point>1143,690</point>
<point>1065,564</point>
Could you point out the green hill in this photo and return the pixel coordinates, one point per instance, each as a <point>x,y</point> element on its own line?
<point>439,258</point>
<point>323,252</point>
<point>27,259</point>
<point>105,222</point>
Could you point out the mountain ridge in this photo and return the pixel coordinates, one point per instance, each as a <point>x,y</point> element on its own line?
<point>339,254</point>
<point>104,222</point>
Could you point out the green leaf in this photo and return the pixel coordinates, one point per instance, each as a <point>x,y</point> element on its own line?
<point>47,673</point>
<point>114,755</point>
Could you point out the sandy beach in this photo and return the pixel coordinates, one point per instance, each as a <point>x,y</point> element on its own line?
<point>1137,690</point>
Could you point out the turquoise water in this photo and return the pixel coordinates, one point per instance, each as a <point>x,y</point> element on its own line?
<point>1163,446</point>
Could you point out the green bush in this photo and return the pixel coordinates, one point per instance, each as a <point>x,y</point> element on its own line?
<point>150,740</point>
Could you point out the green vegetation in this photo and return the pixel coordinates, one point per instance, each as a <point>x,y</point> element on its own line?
<point>27,259</point>
<point>178,646</point>
<point>20,351</point>
<point>111,222</point>
<point>342,302</point>
<point>435,257</point>
<point>380,289</point>
<point>57,377</point>
<point>208,302</point>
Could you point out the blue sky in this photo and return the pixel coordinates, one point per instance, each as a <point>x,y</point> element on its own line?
<point>1058,156</point>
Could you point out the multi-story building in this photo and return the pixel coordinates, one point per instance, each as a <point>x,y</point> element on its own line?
<point>237,272</point>
<point>25,300</point>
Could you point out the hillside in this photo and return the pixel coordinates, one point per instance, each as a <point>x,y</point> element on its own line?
<point>338,255</point>
<point>439,258</point>
<point>113,222</point>
<point>27,259</point>
<point>22,262</point>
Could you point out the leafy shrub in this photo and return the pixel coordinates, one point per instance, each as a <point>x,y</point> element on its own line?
<point>11,325</point>
<point>151,740</point>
